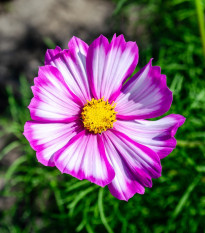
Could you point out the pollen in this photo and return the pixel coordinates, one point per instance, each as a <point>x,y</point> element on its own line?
<point>98,115</point>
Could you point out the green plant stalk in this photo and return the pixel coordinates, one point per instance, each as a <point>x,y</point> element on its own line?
<point>200,15</point>
<point>101,210</point>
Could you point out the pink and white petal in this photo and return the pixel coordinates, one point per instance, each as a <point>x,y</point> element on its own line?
<point>53,101</point>
<point>79,46</point>
<point>157,135</point>
<point>72,65</point>
<point>84,158</point>
<point>109,65</point>
<point>95,63</point>
<point>134,164</point>
<point>51,53</point>
<point>145,95</point>
<point>47,138</point>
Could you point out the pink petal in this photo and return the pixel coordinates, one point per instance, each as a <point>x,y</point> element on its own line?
<point>109,65</point>
<point>72,65</point>
<point>84,158</point>
<point>79,46</point>
<point>51,53</point>
<point>157,135</point>
<point>145,95</point>
<point>53,101</point>
<point>47,138</point>
<point>134,165</point>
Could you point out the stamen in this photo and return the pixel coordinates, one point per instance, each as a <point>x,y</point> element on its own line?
<point>98,115</point>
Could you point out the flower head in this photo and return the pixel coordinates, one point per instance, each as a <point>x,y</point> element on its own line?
<point>91,126</point>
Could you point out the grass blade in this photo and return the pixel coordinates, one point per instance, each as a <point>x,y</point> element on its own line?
<point>185,197</point>
<point>101,210</point>
<point>200,15</point>
<point>9,148</point>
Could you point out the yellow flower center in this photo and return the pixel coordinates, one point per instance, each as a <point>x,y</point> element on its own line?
<point>98,115</point>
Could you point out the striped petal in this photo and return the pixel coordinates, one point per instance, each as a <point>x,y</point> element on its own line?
<point>72,65</point>
<point>51,54</point>
<point>47,138</point>
<point>134,165</point>
<point>145,95</point>
<point>109,65</point>
<point>53,101</point>
<point>157,135</point>
<point>84,158</point>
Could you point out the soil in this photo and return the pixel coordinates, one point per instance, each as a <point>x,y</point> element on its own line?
<point>25,25</point>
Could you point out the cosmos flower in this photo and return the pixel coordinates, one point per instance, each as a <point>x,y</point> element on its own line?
<point>89,124</point>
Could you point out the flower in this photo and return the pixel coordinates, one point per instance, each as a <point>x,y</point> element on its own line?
<point>89,124</point>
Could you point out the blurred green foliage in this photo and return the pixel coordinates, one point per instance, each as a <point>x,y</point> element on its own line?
<point>47,201</point>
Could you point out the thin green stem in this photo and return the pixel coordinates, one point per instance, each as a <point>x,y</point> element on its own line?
<point>101,210</point>
<point>200,15</point>
<point>189,144</point>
